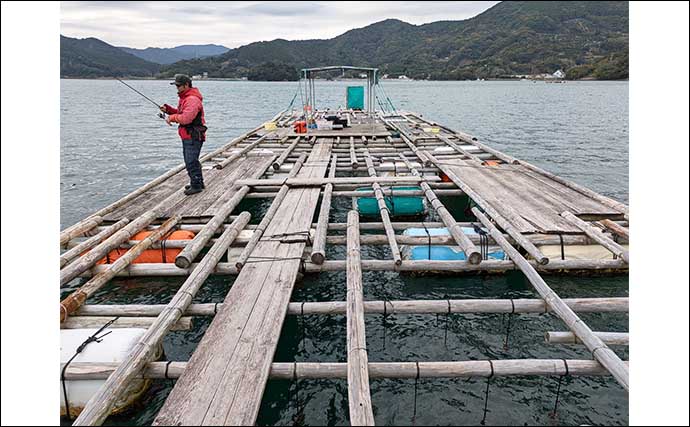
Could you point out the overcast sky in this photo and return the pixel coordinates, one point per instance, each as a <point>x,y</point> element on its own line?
<point>232,24</point>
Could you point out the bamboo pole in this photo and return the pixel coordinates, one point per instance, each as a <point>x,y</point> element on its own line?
<point>93,322</point>
<point>383,210</point>
<point>609,338</point>
<point>401,193</point>
<point>597,236</point>
<point>99,406</point>
<point>471,252</point>
<point>359,396</point>
<point>599,350</point>
<point>85,262</point>
<point>408,141</point>
<point>79,229</point>
<point>307,182</point>
<point>377,239</point>
<point>268,217</point>
<point>495,266</point>
<point>363,193</point>
<point>82,371</point>
<point>353,156</point>
<point>286,153</point>
<point>466,306</point>
<point>615,228</point>
<point>240,153</point>
<point>185,258</point>
<point>459,149</point>
<point>318,253</point>
<point>70,304</point>
<point>472,140</point>
<point>91,242</point>
<point>502,222</point>
<point>433,183</point>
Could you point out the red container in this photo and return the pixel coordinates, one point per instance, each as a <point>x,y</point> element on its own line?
<point>300,126</point>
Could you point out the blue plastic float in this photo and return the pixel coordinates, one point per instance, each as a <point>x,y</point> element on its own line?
<point>441,253</point>
<point>397,205</point>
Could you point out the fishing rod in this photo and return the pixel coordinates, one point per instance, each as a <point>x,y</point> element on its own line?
<point>160,114</point>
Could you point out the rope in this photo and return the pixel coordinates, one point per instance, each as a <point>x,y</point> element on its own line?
<point>560,236</point>
<point>486,393</point>
<point>383,108</point>
<point>164,239</point>
<point>428,235</point>
<point>510,317</point>
<point>293,99</point>
<point>299,414</point>
<point>445,334</point>
<point>558,390</point>
<point>483,240</point>
<point>380,85</point>
<point>301,322</point>
<point>306,234</point>
<point>416,380</point>
<point>82,346</point>
<point>167,366</point>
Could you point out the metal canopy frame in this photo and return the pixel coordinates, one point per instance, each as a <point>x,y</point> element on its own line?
<point>372,78</point>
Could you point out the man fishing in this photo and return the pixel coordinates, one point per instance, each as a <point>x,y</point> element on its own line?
<point>189,114</point>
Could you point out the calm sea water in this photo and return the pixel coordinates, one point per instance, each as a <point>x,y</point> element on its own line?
<point>112,142</point>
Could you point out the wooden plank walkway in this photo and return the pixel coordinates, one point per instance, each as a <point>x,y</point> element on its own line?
<point>538,200</point>
<point>224,381</point>
<point>218,184</point>
<point>226,376</point>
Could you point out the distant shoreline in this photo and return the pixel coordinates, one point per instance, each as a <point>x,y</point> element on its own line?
<point>228,79</point>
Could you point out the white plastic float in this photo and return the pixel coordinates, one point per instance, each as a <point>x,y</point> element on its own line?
<point>112,348</point>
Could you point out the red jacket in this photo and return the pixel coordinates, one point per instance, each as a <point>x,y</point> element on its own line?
<point>187,109</point>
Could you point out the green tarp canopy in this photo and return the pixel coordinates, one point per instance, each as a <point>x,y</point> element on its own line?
<point>355,97</point>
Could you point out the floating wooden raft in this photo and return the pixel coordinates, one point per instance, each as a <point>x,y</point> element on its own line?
<point>521,206</point>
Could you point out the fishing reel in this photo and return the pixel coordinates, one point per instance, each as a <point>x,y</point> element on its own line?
<point>162,116</point>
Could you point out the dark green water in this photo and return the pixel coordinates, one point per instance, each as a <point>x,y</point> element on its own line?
<point>578,130</point>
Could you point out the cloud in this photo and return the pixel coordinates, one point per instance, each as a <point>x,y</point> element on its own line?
<point>169,24</point>
<point>284,9</point>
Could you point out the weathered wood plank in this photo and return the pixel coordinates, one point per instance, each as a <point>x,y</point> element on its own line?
<point>358,393</point>
<point>236,352</point>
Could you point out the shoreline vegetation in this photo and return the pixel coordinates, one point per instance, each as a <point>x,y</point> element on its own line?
<point>554,40</point>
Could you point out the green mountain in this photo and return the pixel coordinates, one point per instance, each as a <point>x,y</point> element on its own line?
<point>177,53</point>
<point>94,58</point>
<point>585,39</point>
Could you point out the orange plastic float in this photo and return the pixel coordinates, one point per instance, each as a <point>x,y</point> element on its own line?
<point>162,255</point>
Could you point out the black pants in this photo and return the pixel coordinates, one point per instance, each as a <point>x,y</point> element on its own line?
<point>191,148</point>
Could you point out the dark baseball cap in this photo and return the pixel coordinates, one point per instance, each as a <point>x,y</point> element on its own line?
<point>181,79</point>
